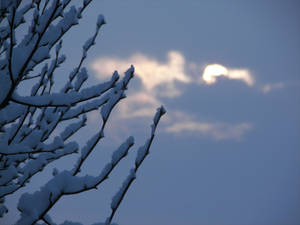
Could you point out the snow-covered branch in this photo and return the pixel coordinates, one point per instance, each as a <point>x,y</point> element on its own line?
<point>65,183</point>
<point>115,96</point>
<point>38,128</point>
<point>143,151</point>
<point>63,99</point>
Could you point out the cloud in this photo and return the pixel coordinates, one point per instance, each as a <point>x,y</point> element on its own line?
<point>154,73</point>
<point>139,104</point>
<point>219,131</point>
<point>151,72</point>
<point>212,71</point>
<point>161,79</point>
<point>270,87</point>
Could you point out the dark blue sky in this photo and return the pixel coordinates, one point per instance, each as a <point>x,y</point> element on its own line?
<point>228,152</point>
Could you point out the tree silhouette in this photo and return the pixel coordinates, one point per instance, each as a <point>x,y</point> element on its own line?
<point>29,138</point>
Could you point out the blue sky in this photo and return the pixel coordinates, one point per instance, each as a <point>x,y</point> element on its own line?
<point>228,151</point>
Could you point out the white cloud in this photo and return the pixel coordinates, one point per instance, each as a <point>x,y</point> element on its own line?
<point>219,131</point>
<point>212,71</point>
<point>164,75</point>
<point>151,72</point>
<point>139,104</point>
<point>161,79</point>
<point>270,87</point>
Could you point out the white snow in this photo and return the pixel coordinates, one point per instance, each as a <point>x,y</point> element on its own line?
<point>116,95</point>
<point>73,128</point>
<point>5,84</point>
<point>142,152</point>
<point>81,78</point>
<point>122,150</point>
<point>117,197</point>
<point>29,137</point>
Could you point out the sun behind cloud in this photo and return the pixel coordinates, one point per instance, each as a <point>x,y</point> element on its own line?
<point>154,73</point>
<point>160,79</point>
<point>212,71</point>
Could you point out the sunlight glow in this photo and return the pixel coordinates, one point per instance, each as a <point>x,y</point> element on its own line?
<point>212,71</point>
<point>161,79</point>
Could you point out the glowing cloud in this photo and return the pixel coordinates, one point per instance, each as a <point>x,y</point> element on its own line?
<point>161,79</point>
<point>270,87</point>
<point>155,74</point>
<point>138,104</point>
<point>151,72</point>
<point>218,131</point>
<point>212,71</point>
